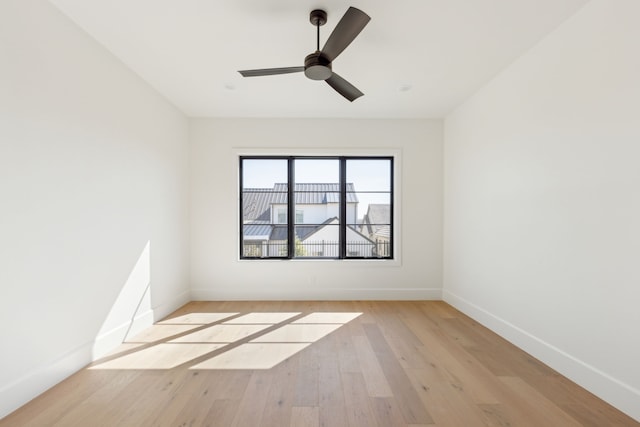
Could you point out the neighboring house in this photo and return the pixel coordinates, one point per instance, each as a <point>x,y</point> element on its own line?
<point>316,221</point>
<point>376,226</point>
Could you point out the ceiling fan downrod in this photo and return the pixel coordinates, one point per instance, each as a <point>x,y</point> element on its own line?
<point>318,18</point>
<point>316,65</point>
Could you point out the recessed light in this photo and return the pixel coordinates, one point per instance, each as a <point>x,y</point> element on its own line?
<point>405,88</point>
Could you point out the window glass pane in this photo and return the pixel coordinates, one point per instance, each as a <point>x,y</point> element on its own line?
<point>318,241</point>
<point>370,180</point>
<point>373,207</point>
<point>369,174</point>
<point>317,192</point>
<point>371,187</point>
<point>277,242</point>
<point>317,171</point>
<point>263,173</point>
<point>358,245</point>
<point>376,226</point>
<point>264,205</point>
<point>282,215</point>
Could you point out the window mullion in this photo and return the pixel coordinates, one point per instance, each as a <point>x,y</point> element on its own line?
<point>241,201</point>
<point>291,209</point>
<point>392,210</point>
<point>342,235</point>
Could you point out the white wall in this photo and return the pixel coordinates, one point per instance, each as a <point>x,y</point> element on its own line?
<point>93,200</point>
<point>542,202</point>
<point>216,272</point>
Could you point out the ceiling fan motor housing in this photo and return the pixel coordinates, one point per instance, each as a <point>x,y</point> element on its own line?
<point>317,66</point>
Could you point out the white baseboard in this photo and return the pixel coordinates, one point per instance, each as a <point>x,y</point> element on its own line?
<point>109,340</point>
<point>166,308</point>
<point>36,382</point>
<point>21,391</point>
<point>230,294</point>
<point>612,390</point>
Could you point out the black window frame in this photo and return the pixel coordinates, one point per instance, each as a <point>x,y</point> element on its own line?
<point>291,206</point>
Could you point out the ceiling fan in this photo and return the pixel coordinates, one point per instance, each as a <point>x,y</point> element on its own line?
<point>317,66</point>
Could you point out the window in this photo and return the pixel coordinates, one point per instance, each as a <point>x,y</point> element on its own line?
<point>342,207</point>
<point>282,216</point>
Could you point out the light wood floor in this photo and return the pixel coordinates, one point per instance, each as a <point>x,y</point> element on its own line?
<point>328,364</point>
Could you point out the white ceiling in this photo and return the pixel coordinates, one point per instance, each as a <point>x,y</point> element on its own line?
<point>415,59</point>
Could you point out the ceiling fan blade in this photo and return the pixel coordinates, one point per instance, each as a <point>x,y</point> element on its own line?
<point>343,87</point>
<point>270,71</point>
<point>353,21</point>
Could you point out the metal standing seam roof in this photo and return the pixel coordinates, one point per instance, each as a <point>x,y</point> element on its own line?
<point>318,193</point>
<point>302,231</point>
<point>377,219</point>
<point>256,230</point>
<point>256,202</point>
<point>305,231</point>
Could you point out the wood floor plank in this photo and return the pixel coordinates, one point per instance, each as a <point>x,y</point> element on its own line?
<point>307,379</point>
<point>393,363</point>
<point>402,341</point>
<point>347,356</point>
<point>143,405</point>
<point>330,393</point>
<point>576,401</point>
<point>445,403</point>
<point>471,376</point>
<point>376,381</point>
<point>204,400</point>
<point>357,403</point>
<point>387,412</point>
<point>547,412</point>
<point>221,413</point>
<point>254,400</point>
<point>57,402</point>
<point>455,363</point>
<point>167,397</point>
<point>110,397</point>
<point>496,415</point>
<point>408,400</point>
<point>281,395</point>
<point>305,416</point>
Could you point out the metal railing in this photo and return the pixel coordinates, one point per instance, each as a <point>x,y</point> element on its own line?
<point>316,249</point>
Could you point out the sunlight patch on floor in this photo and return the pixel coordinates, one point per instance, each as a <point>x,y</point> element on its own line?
<point>298,333</point>
<point>253,356</point>
<point>221,334</point>
<point>160,332</point>
<point>271,348</point>
<point>197,319</point>
<point>124,348</point>
<point>161,356</point>
<point>174,341</point>
<point>268,318</point>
